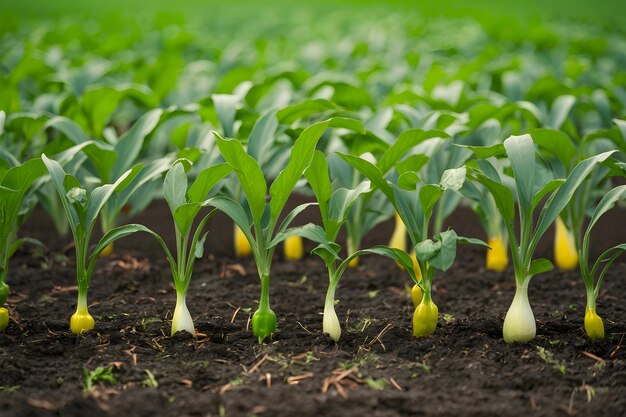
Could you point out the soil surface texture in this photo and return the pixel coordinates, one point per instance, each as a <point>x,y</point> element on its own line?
<point>376,369</point>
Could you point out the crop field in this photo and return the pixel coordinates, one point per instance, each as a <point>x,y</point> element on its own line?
<point>298,209</point>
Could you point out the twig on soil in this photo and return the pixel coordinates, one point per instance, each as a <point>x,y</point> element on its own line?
<point>377,338</point>
<point>617,348</point>
<point>304,328</point>
<point>340,378</point>
<point>395,384</point>
<point>232,320</point>
<point>133,356</point>
<point>594,357</point>
<point>258,364</point>
<point>294,380</point>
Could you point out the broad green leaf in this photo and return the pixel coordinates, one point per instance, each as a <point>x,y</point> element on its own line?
<point>233,210</point>
<point>309,231</point>
<point>58,178</point>
<point>348,123</point>
<point>559,199</point>
<point>226,108</point>
<point>372,172</point>
<point>248,172</point>
<point>292,215</point>
<point>129,145</point>
<point>547,188</point>
<point>557,143</point>
<point>484,152</point>
<point>101,195</point>
<point>439,254</point>
<point>539,266</point>
<point>343,199</point>
<point>206,180</point>
<point>397,255</point>
<point>429,195</point>
<point>407,140</point>
<point>297,111</point>
<point>301,156</point>
<point>175,186</point>
<point>608,202</point>
<point>502,196</point>
<point>318,177</point>
<point>185,215</point>
<point>412,163</point>
<point>560,109</point>
<point>521,153</point>
<point>408,180</point>
<point>262,136</point>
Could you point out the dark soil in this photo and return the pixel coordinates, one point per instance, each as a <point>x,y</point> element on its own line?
<point>377,369</point>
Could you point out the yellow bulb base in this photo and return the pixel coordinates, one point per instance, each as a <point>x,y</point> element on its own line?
<point>497,257</point>
<point>416,295</point>
<point>242,246</point>
<point>593,325</point>
<point>4,318</point>
<point>425,318</point>
<point>565,255</point>
<point>293,248</point>
<point>81,321</point>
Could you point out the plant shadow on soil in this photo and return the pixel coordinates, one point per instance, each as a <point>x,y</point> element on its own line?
<point>378,368</point>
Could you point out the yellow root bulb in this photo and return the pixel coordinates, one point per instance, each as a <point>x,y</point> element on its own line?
<point>107,251</point>
<point>565,255</point>
<point>425,319</point>
<point>416,266</point>
<point>81,321</point>
<point>4,318</point>
<point>398,238</point>
<point>242,246</point>
<point>593,325</point>
<point>354,262</point>
<point>497,257</point>
<point>293,248</point>
<point>416,295</point>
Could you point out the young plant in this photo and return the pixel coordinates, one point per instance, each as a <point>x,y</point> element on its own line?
<point>260,222</point>
<point>15,182</point>
<point>185,203</point>
<point>519,323</point>
<point>82,209</point>
<point>592,277</point>
<point>415,201</point>
<point>334,208</point>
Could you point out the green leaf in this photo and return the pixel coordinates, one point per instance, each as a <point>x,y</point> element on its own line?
<point>521,153</point>
<point>343,199</point>
<point>429,195</point>
<point>184,216</point>
<point>412,163</point>
<point>609,201</point>
<point>560,109</point>
<point>292,215</point>
<point>400,256</point>
<point>248,172</point>
<point>408,180</point>
<point>439,254</point>
<point>226,108</point>
<point>297,111</point>
<point>557,143</point>
<point>309,231</point>
<point>372,172</point>
<point>262,136</point>
<point>58,178</point>
<point>206,180</point>
<point>233,210</point>
<point>101,195</point>
<point>318,177</point>
<point>300,159</point>
<point>407,140</point>
<point>559,199</point>
<point>348,123</point>
<point>484,152</point>
<point>129,145</point>
<point>539,266</point>
<point>547,188</point>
